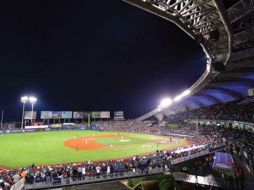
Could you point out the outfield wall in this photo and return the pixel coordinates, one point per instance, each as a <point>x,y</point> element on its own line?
<point>49,128</point>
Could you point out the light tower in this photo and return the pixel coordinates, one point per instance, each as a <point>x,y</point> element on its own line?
<point>32,100</point>
<point>24,100</point>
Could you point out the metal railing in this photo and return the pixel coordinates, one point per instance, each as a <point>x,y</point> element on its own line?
<point>95,178</point>
<point>103,177</point>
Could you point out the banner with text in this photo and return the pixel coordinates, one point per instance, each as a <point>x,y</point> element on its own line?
<point>78,115</point>
<point>46,114</point>
<point>96,115</point>
<point>28,115</point>
<point>118,115</point>
<point>66,114</point>
<point>105,115</point>
<point>56,114</point>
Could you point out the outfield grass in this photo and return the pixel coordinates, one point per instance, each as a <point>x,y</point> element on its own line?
<point>48,148</point>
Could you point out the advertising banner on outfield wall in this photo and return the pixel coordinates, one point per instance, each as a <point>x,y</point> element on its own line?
<point>96,115</point>
<point>78,115</point>
<point>56,125</point>
<point>46,114</point>
<point>37,127</point>
<point>118,115</point>
<point>66,115</point>
<point>105,115</point>
<point>28,115</point>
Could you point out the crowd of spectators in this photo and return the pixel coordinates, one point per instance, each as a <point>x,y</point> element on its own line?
<point>138,164</point>
<point>241,110</point>
<point>8,126</point>
<point>149,127</point>
<point>208,138</point>
<point>67,173</point>
<point>128,126</point>
<point>235,110</point>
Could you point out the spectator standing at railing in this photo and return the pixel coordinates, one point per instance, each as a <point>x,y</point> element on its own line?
<point>48,177</point>
<point>83,170</point>
<point>79,173</point>
<point>16,177</point>
<point>98,171</point>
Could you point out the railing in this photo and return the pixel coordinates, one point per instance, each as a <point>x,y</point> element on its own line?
<point>179,160</point>
<point>102,177</point>
<point>193,156</point>
<point>97,178</point>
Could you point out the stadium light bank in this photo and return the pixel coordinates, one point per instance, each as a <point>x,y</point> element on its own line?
<point>24,99</point>
<point>166,102</point>
<point>32,101</point>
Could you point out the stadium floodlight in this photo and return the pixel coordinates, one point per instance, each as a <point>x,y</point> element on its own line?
<point>24,100</point>
<point>32,100</point>
<point>184,94</point>
<point>177,98</point>
<point>208,67</point>
<point>165,103</point>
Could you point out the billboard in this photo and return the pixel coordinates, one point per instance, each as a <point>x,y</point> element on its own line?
<point>56,115</point>
<point>105,115</point>
<point>28,115</point>
<point>118,115</point>
<point>46,114</point>
<point>66,115</point>
<point>78,115</point>
<point>96,114</point>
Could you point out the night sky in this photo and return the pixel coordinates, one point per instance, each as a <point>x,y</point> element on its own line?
<point>87,55</point>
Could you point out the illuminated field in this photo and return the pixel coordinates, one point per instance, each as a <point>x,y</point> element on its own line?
<point>74,146</point>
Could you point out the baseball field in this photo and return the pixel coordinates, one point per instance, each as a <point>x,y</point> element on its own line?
<point>24,149</point>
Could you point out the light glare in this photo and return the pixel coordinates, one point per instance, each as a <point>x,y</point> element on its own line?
<point>179,97</point>
<point>24,99</point>
<point>165,103</point>
<point>208,67</point>
<point>32,100</point>
<point>186,93</point>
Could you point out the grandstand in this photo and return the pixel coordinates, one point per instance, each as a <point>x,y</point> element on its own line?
<point>214,117</point>
<point>233,48</point>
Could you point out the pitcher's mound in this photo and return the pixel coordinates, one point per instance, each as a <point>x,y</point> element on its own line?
<point>88,143</point>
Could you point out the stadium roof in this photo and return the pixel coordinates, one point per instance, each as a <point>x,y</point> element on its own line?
<point>230,85</point>
<point>226,33</point>
<point>234,82</point>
